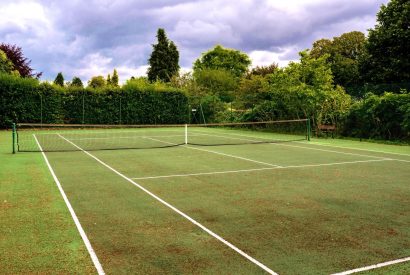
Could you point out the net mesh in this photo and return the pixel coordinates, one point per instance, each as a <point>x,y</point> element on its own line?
<point>247,133</point>
<point>63,137</point>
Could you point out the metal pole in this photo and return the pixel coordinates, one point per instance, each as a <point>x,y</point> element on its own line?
<point>308,129</point>
<point>120,110</point>
<point>41,110</point>
<point>14,137</point>
<point>186,133</point>
<point>83,107</point>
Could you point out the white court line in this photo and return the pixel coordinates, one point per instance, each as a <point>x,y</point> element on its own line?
<point>80,229</point>
<point>352,148</point>
<point>296,146</point>
<point>261,169</point>
<point>256,262</point>
<point>218,153</point>
<point>373,266</point>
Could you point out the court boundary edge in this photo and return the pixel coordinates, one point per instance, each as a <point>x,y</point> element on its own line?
<point>80,229</point>
<point>370,267</point>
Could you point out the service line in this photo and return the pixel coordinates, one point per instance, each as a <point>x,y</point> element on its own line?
<point>260,169</point>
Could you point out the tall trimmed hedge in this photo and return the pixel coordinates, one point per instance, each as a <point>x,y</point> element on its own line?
<point>27,100</point>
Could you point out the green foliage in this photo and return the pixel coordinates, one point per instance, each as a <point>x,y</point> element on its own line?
<point>19,100</point>
<point>138,102</point>
<point>344,53</point>
<point>220,58</point>
<point>108,80</point>
<point>164,59</point>
<point>76,82</point>
<point>219,83</point>
<point>59,80</point>
<point>97,82</point>
<point>302,90</point>
<point>6,66</point>
<point>263,70</point>
<point>387,58</point>
<point>20,63</point>
<point>380,117</point>
<point>252,90</point>
<point>114,79</point>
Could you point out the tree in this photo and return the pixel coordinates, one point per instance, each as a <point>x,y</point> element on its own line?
<point>263,70</point>
<point>303,90</point>
<point>220,83</point>
<point>344,52</point>
<point>76,82</point>
<point>388,46</point>
<point>163,62</point>
<point>20,63</point>
<point>114,79</point>
<point>6,66</point>
<point>59,79</point>
<point>231,60</point>
<point>97,82</point>
<point>108,80</point>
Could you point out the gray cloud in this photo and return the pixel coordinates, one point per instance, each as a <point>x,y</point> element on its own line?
<point>95,37</point>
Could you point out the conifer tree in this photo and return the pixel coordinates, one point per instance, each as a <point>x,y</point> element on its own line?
<point>76,82</point>
<point>163,62</point>
<point>59,79</point>
<point>114,78</point>
<point>108,80</point>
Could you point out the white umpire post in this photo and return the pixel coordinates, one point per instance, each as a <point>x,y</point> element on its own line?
<point>186,133</point>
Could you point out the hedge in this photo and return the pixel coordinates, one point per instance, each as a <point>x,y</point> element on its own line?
<point>27,100</point>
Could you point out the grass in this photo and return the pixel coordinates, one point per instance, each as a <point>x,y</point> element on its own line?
<point>37,234</point>
<point>296,220</point>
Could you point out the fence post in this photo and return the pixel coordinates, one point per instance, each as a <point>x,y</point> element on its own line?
<point>120,110</point>
<point>83,108</point>
<point>14,137</point>
<point>308,129</point>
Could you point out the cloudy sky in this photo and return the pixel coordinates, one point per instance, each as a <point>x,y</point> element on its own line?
<point>92,37</point>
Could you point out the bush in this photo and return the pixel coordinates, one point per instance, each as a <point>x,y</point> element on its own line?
<point>380,117</point>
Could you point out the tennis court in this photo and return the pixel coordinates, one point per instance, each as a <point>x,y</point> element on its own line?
<point>263,202</point>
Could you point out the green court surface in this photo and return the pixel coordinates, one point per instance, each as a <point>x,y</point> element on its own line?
<point>295,207</point>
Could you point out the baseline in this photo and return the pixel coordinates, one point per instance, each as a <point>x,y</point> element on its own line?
<point>80,229</point>
<point>216,236</point>
<point>373,266</point>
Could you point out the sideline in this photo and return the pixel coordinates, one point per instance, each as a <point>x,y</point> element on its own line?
<point>80,229</point>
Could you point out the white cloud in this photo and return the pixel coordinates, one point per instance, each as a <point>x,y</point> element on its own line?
<point>265,58</point>
<point>26,15</point>
<point>94,38</point>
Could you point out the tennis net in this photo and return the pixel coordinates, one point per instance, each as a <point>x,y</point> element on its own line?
<point>71,137</point>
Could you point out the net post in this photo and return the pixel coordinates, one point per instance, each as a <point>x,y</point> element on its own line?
<point>14,137</point>
<point>308,129</point>
<point>186,133</point>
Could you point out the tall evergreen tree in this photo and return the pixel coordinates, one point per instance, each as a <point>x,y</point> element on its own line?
<point>108,80</point>
<point>114,78</point>
<point>59,79</point>
<point>76,82</point>
<point>163,62</point>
